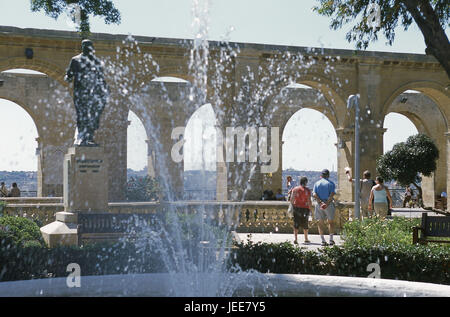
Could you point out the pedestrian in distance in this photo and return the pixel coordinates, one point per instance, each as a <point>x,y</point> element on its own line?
<point>3,190</point>
<point>324,191</point>
<point>365,186</point>
<point>408,196</point>
<point>15,191</point>
<point>380,196</point>
<point>300,198</point>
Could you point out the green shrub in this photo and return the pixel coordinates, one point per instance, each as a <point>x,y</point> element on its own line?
<point>2,207</point>
<point>20,230</point>
<point>278,258</point>
<point>143,189</point>
<point>403,262</point>
<point>378,232</point>
<point>18,262</point>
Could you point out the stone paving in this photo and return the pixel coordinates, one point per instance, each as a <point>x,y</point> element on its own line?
<point>288,237</point>
<point>315,238</point>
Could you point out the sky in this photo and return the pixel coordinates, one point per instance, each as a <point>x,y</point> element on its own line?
<point>279,22</point>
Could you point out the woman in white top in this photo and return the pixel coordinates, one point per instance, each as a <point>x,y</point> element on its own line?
<point>380,195</point>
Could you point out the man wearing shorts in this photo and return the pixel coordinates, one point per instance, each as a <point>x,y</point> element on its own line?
<point>323,192</point>
<point>301,201</point>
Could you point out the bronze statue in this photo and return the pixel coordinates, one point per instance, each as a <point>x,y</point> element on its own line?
<point>90,92</point>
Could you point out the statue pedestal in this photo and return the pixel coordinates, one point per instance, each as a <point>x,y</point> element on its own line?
<point>85,180</point>
<point>85,190</point>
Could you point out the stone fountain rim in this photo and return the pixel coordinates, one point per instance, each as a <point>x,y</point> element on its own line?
<point>284,285</point>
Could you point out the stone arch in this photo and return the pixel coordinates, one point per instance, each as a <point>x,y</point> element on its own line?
<point>329,91</point>
<point>32,115</point>
<point>51,70</point>
<point>434,90</point>
<point>202,178</point>
<point>174,72</point>
<point>27,110</point>
<point>140,124</point>
<point>33,143</point>
<point>429,118</point>
<point>315,110</point>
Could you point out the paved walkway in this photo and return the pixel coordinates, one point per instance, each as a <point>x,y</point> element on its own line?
<point>315,238</point>
<point>288,237</point>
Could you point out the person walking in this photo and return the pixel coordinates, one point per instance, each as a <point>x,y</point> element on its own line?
<point>302,204</point>
<point>3,190</point>
<point>15,191</point>
<point>365,186</point>
<point>324,191</point>
<point>290,183</point>
<point>408,196</point>
<point>380,196</point>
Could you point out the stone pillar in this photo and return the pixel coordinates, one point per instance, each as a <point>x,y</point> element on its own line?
<point>40,189</point>
<point>371,142</point>
<point>112,136</point>
<point>50,168</point>
<point>169,171</point>
<point>274,180</point>
<point>428,192</point>
<point>345,158</point>
<point>371,147</point>
<point>448,164</point>
<point>221,169</point>
<point>150,159</point>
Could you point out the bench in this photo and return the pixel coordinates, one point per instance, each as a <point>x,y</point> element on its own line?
<point>110,226</point>
<point>432,226</point>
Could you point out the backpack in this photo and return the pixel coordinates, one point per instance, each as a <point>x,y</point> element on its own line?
<point>300,197</point>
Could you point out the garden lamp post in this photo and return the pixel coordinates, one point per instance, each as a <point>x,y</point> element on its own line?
<point>353,101</point>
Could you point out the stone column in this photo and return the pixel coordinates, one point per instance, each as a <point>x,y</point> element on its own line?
<point>112,136</point>
<point>150,159</point>
<point>448,163</point>
<point>274,180</point>
<point>371,142</point>
<point>345,158</point>
<point>170,171</point>
<point>428,192</point>
<point>40,189</point>
<point>221,168</point>
<point>371,147</point>
<point>50,168</point>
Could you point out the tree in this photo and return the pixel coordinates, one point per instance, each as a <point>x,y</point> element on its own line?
<point>103,8</point>
<point>432,17</point>
<point>407,161</point>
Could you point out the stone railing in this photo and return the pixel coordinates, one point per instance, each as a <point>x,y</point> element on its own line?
<point>245,216</point>
<point>271,216</point>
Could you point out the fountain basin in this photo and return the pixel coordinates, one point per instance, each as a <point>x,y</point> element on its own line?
<point>161,285</point>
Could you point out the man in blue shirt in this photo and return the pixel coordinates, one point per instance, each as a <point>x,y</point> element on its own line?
<point>323,192</point>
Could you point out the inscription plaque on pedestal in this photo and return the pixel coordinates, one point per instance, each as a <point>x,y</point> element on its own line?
<point>85,180</point>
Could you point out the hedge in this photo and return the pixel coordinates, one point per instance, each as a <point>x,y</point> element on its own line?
<point>411,263</point>
<point>29,262</point>
<point>20,230</point>
<point>24,256</point>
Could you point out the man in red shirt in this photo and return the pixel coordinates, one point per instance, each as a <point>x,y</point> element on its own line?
<point>300,198</point>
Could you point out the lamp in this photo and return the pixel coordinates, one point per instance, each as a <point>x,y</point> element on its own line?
<point>353,101</point>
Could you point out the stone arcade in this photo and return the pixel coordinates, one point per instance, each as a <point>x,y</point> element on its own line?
<point>380,78</point>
